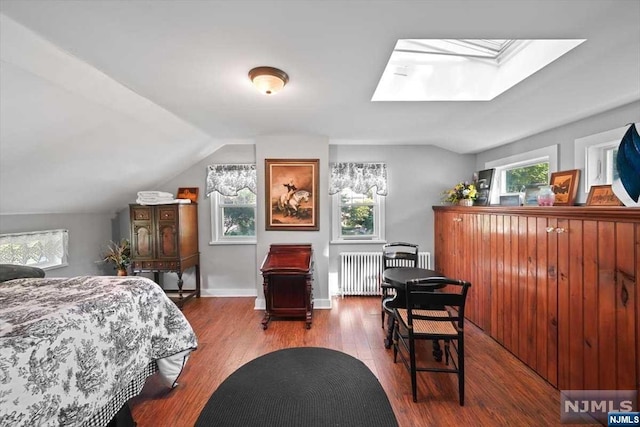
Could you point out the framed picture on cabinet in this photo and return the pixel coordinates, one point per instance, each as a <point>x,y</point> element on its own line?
<point>602,195</point>
<point>531,194</point>
<point>291,194</point>
<point>190,193</point>
<point>483,185</point>
<point>565,185</point>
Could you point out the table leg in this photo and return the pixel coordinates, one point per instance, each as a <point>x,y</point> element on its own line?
<point>390,325</point>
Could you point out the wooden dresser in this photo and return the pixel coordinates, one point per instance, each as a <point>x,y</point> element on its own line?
<point>164,239</point>
<point>557,286</point>
<point>287,271</point>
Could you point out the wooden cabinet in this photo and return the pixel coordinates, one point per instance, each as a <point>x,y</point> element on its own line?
<point>557,286</point>
<point>164,239</point>
<point>287,271</point>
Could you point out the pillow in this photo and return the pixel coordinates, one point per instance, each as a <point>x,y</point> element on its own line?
<point>12,271</point>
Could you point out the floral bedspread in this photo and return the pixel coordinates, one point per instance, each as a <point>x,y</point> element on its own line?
<point>67,345</point>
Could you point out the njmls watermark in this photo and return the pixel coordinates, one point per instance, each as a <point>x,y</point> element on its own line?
<point>583,406</point>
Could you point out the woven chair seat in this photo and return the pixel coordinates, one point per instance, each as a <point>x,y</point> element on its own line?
<point>430,327</point>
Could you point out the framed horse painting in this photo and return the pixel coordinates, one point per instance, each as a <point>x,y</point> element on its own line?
<point>291,194</point>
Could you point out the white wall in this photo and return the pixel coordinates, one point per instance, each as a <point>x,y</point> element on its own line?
<point>565,137</point>
<point>296,147</point>
<point>417,175</point>
<point>225,270</point>
<point>89,235</point>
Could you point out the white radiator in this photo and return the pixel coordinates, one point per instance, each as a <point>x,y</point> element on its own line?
<point>360,272</point>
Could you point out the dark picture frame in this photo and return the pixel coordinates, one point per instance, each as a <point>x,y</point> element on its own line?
<point>483,186</point>
<point>291,194</point>
<point>190,193</point>
<point>565,186</point>
<point>602,195</point>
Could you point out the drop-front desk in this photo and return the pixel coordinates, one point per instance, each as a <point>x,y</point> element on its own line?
<point>287,271</point>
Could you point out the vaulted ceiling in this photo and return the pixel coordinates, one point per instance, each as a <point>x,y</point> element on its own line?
<point>100,99</point>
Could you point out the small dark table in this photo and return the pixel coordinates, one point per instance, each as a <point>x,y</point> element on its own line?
<point>287,273</point>
<point>398,278</point>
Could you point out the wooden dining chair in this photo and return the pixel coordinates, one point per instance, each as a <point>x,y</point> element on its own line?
<point>415,323</point>
<point>396,254</point>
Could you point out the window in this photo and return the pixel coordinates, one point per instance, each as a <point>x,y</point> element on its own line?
<point>514,173</point>
<point>358,191</point>
<point>43,249</point>
<point>232,190</point>
<point>596,154</point>
<point>234,217</point>
<point>515,178</point>
<point>358,216</point>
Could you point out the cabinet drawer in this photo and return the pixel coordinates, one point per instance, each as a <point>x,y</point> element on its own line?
<point>141,213</point>
<point>166,265</point>
<point>167,213</point>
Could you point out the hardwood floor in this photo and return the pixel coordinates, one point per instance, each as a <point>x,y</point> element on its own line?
<point>500,390</point>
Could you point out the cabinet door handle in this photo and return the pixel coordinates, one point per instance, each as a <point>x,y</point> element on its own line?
<point>457,219</point>
<point>556,229</point>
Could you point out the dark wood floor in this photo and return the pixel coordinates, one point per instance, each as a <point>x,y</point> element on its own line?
<point>501,390</point>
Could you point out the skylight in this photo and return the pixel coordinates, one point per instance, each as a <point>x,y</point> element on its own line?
<point>463,69</point>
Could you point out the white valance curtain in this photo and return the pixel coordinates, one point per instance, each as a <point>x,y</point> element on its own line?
<point>228,179</point>
<point>43,249</point>
<point>359,177</point>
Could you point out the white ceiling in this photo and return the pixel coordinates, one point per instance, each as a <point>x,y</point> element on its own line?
<point>100,99</point>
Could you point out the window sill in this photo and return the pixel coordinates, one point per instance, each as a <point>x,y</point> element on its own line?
<point>233,242</point>
<point>358,242</point>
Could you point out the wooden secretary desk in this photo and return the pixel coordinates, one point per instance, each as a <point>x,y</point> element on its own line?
<point>287,271</point>
<point>164,239</point>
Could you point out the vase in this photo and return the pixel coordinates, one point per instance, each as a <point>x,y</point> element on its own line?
<point>465,202</point>
<point>122,272</point>
<point>546,196</point>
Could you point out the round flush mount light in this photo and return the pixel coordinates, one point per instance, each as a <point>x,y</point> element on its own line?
<point>268,80</point>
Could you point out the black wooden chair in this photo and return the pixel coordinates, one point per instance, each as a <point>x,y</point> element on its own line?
<point>396,254</point>
<point>414,323</point>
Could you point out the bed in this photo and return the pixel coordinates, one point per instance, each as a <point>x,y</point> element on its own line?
<point>74,350</point>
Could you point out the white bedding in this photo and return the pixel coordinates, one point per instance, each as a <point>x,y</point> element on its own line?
<point>68,346</point>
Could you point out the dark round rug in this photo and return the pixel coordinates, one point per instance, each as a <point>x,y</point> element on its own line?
<point>300,387</point>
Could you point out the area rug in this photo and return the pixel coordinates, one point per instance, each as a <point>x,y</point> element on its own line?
<point>300,387</point>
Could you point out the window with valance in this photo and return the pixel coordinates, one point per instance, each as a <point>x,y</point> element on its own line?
<point>232,189</point>
<point>359,177</point>
<point>229,179</point>
<point>358,208</point>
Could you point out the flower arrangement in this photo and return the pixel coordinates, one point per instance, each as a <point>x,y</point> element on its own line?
<point>119,254</point>
<point>462,190</point>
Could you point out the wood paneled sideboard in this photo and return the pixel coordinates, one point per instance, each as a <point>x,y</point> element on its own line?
<point>557,286</point>
<point>164,239</point>
<point>287,271</point>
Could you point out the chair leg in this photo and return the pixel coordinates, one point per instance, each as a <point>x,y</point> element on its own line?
<point>396,332</point>
<point>446,352</point>
<point>461,370</point>
<point>382,315</point>
<point>412,359</point>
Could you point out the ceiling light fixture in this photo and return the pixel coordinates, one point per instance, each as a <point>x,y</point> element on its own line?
<point>268,80</point>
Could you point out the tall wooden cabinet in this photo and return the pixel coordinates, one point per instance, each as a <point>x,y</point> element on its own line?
<point>557,286</point>
<point>164,239</point>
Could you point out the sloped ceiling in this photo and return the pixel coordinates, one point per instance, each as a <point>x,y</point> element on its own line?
<point>100,99</point>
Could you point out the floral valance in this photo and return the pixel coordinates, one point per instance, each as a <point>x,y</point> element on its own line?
<point>359,177</point>
<point>229,179</point>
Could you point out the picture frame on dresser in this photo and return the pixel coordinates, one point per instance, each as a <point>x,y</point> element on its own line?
<point>602,195</point>
<point>483,185</point>
<point>292,194</point>
<point>190,193</point>
<point>565,186</point>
